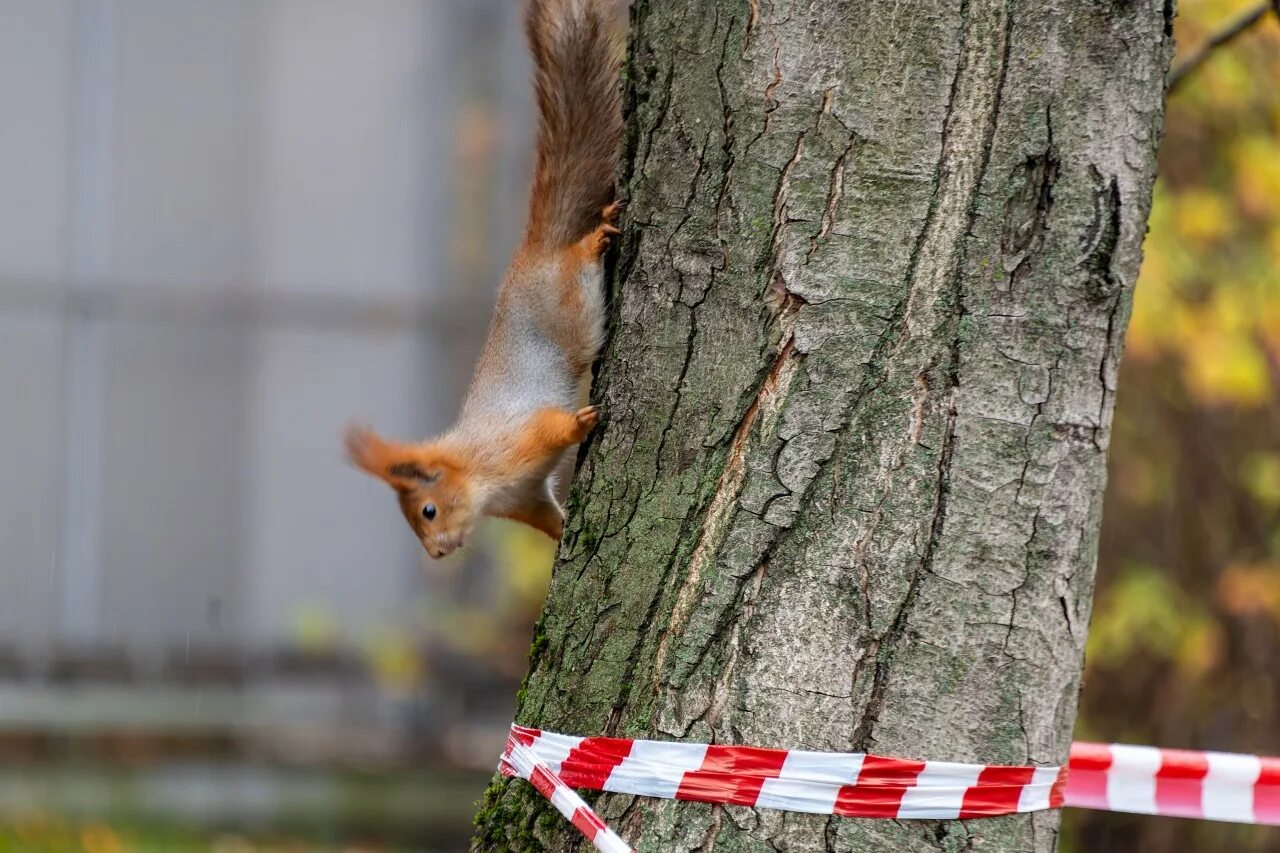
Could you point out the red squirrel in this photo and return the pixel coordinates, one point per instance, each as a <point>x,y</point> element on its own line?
<point>521,415</point>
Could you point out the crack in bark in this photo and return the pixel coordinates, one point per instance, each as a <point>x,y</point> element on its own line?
<point>723,504</point>
<point>1105,367</point>
<point>935,264</point>
<point>1026,213</point>
<point>1100,253</point>
<point>726,169</point>
<point>780,198</point>
<point>769,103</point>
<point>743,614</point>
<point>862,736</point>
<point>835,190</point>
<point>753,16</point>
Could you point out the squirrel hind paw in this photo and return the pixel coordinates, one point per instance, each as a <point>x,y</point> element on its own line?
<point>593,245</point>
<point>610,213</point>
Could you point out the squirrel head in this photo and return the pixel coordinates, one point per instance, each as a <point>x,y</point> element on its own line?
<point>435,493</point>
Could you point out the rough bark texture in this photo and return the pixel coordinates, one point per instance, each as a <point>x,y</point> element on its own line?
<point>870,305</point>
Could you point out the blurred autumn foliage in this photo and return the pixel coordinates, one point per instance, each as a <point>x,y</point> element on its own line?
<point>1185,638</point>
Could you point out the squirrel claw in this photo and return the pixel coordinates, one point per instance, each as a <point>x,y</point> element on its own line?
<point>611,213</point>
<point>595,243</point>
<point>587,419</point>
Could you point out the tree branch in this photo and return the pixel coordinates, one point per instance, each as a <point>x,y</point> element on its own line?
<point>1220,38</point>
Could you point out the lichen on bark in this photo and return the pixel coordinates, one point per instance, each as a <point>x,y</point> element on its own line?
<point>866,320</point>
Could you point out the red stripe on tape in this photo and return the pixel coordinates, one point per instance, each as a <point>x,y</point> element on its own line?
<point>997,791</point>
<point>1058,793</point>
<point>1101,776</point>
<point>1087,781</point>
<point>731,775</point>
<point>1266,792</point>
<point>543,781</point>
<point>1180,782</point>
<point>880,787</point>
<point>587,823</point>
<point>589,764</point>
<point>525,736</point>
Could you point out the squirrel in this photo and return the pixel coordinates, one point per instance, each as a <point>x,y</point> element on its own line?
<point>521,414</point>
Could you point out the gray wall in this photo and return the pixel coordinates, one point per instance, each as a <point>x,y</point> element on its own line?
<point>226,229</point>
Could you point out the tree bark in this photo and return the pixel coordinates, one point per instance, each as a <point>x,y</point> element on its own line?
<point>867,318</point>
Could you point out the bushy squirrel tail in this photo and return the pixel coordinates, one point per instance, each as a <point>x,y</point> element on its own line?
<point>576,58</point>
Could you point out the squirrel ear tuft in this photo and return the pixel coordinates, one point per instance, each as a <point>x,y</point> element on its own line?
<point>412,471</point>
<point>397,464</point>
<point>369,452</point>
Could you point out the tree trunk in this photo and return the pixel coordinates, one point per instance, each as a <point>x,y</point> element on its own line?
<point>870,304</point>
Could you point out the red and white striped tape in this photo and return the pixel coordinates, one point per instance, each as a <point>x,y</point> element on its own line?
<point>1145,780</point>
<point>1175,782</point>
<point>519,759</point>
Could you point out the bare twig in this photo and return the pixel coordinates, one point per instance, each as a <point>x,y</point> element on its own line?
<point>1220,38</point>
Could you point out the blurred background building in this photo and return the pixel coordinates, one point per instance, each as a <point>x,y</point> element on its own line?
<point>228,228</point>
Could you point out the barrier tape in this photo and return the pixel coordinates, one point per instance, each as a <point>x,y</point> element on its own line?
<point>1175,782</point>
<point>520,760</point>
<point>1137,779</point>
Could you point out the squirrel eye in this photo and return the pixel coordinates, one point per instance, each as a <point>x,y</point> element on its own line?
<point>429,511</point>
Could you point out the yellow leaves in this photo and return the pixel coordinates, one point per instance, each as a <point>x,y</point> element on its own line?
<point>1209,291</point>
<point>1144,611</point>
<point>1224,368</point>
<point>1255,159</point>
<point>1261,476</point>
<point>1273,248</point>
<point>1202,216</point>
<point>1225,80</point>
<point>1207,296</point>
<point>1223,359</point>
<point>1200,648</point>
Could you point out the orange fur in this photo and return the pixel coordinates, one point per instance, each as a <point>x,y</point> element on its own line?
<point>522,413</point>
<point>547,433</point>
<point>543,517</point>
<point>575,57</point>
